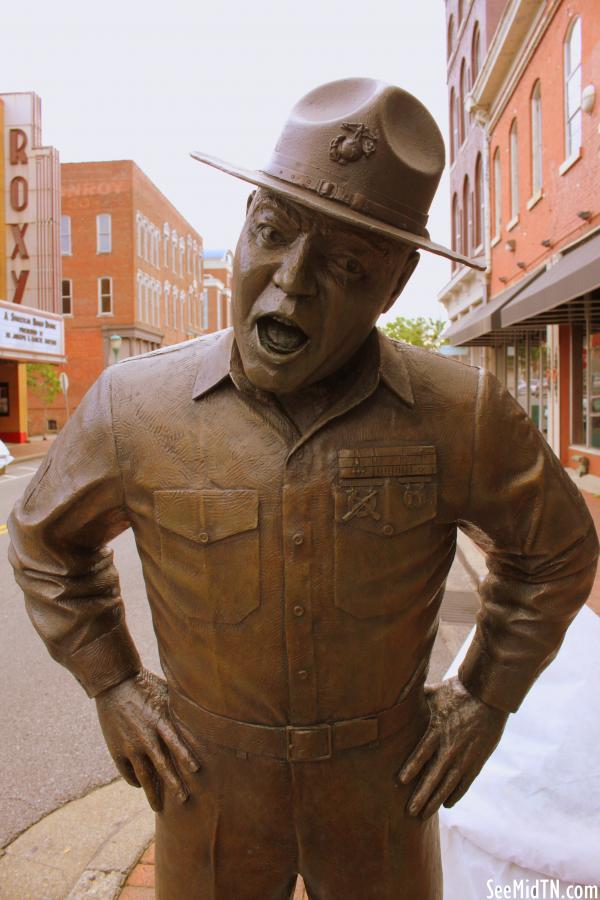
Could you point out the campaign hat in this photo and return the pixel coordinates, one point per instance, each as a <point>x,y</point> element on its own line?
<point>364,152</point>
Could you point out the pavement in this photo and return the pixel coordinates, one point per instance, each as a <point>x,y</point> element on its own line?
<point>100,845</point>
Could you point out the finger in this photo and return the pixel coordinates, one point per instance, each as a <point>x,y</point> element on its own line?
<point>420,755</point>
<point>149,780</point>
<point>427,784</point>
<point>449,783</point>
<point>179,751</point>
<point>126,770</point>
<point>164,766</point>
<point>459,791</point>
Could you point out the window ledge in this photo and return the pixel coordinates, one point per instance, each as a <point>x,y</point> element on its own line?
<point>566,165</point>
<point>535,199</point>
<point>513,223</point>
<point>581,448</point>
<point>105,314</point>
<point>495,240</point>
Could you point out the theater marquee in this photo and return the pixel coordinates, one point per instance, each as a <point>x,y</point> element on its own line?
<point>30,335</point>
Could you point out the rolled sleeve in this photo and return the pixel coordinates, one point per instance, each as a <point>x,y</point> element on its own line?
<point>541,550</point>
<point>59,530</point>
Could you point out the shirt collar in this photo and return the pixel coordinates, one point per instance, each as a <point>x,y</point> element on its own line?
<point>216,365</point>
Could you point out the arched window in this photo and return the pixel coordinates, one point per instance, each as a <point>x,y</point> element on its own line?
<point>454,137</point>
<point>167,296</point>
<point>461,101</point>
<point>536,139</point>
<point>466,217</point>
<point>460,12</point>
<point>455,227</point>
<point>497,193</point>
<point>475,54</point>
<point>450,43</point>
<point>573,89</point>
<point>167,237</point>
<point>65,235</point>
<point>514,170</point>
<point>181,254</point>
<point>174,242</point>
<point>478,204</point>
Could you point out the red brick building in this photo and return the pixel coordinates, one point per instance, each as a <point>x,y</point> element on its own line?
<point>132,275</point>
<point>539,327</point>
<point>218,265</point>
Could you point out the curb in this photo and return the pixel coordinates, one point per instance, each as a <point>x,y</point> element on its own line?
<point>82,851</point>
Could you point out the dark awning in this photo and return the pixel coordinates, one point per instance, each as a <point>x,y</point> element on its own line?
<point>486,318</point>
<point>576,273</point>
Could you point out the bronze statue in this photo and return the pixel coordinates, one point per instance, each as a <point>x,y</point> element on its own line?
<point>295,488</point>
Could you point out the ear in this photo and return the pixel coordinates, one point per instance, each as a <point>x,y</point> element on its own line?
<point>249,201</point>
<point>409,267</point>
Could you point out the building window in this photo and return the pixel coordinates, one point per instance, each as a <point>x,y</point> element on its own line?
<point>497,193</point>
<point>475,54</point>
<point>138,233</point>
<point>585,382</point>
<point>175,304</point>
<point>105,296</point>
<point>454,135</point>
<point>455,228</point>
<point>460,11</point>
<point>103,233</point>
<point>167,296</point>
<point>174,250</point>
<point>189,254</point>
<point>466,218</point>
<point>181,255</point>
<point>573,89</point>
<point>166,239</point>
<point>514,170</point>
<point>205,310</point>
<point>65,235</point>
<point>67,297</point>
<point>450,36</point>
<point>140,296</point>
<point>479,210</point>
<point>461,100</point>
<point>536,140</point>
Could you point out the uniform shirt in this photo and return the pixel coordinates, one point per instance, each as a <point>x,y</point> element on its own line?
<point>297,577</point>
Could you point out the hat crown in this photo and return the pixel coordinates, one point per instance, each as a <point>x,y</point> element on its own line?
<point>367,144</point>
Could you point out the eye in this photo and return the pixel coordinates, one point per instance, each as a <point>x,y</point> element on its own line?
<point>269,236</point>
<point>349,264</point>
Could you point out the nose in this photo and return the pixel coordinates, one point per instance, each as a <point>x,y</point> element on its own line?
<point>294,275</point>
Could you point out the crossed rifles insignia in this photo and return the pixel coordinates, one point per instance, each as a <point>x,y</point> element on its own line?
<point>363,503</point>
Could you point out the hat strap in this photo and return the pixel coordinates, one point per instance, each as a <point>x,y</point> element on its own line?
<point>406,219</point>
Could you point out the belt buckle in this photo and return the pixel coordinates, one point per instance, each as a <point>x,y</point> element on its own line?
<point>301,743</point>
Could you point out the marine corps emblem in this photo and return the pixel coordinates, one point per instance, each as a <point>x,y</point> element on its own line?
<point>351,147</point>
<point>362,504</point>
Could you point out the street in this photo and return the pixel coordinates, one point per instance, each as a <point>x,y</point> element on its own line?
<point>50,741</point>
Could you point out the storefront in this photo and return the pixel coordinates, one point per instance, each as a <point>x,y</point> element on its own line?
<point>31,328</point>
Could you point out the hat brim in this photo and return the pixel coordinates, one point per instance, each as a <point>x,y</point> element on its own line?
<point>335,209</point>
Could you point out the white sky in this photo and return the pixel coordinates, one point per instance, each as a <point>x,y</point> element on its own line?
<point>151,81</point>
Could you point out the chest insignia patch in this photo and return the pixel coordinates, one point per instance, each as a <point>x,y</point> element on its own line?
<point>362,503</point>
<point>406,461</point>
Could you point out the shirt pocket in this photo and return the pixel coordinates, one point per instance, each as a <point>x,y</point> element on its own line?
<point>209,552</point>
<point>378,528</point>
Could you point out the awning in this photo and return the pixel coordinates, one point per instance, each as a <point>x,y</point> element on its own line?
<point>486,318</point>
<point>576,273</point>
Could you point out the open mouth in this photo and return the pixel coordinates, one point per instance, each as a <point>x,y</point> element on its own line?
<point>280,335</point>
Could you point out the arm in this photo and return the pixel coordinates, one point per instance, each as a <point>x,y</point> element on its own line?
<point>541,548</point>
<point>59,530</point>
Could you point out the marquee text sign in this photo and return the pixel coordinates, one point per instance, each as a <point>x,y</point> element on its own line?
<point>29,333</point>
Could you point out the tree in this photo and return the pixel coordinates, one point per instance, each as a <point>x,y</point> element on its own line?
<point>422,331</point>
<point>43,380</point>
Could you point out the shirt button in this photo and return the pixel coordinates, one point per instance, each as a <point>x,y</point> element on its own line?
<point>204,537</point>
<point>388,529</point>
<point>302,674</point>
<point>298,610</point>
<point>298,538</point>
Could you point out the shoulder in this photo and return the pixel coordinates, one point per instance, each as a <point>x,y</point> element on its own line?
<point>434,378</point>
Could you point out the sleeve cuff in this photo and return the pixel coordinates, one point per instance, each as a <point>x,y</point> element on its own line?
<point>105,662</point>
<point>491,682</point>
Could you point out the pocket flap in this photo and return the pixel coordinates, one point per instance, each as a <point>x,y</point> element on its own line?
<point>206,516</point>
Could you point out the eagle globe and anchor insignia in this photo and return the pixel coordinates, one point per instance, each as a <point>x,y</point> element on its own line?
<point>351,147</point>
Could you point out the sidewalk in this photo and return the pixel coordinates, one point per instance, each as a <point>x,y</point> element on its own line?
<point>33,449</point>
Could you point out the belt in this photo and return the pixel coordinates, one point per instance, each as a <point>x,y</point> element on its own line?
<point>295,743</point>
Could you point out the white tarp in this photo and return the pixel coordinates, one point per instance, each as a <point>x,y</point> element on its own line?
<point>534,811</point>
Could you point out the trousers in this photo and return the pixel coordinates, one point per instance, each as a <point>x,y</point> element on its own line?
<point>252,824</point>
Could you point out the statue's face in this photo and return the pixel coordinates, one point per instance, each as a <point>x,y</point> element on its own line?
<point>307,291</point>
